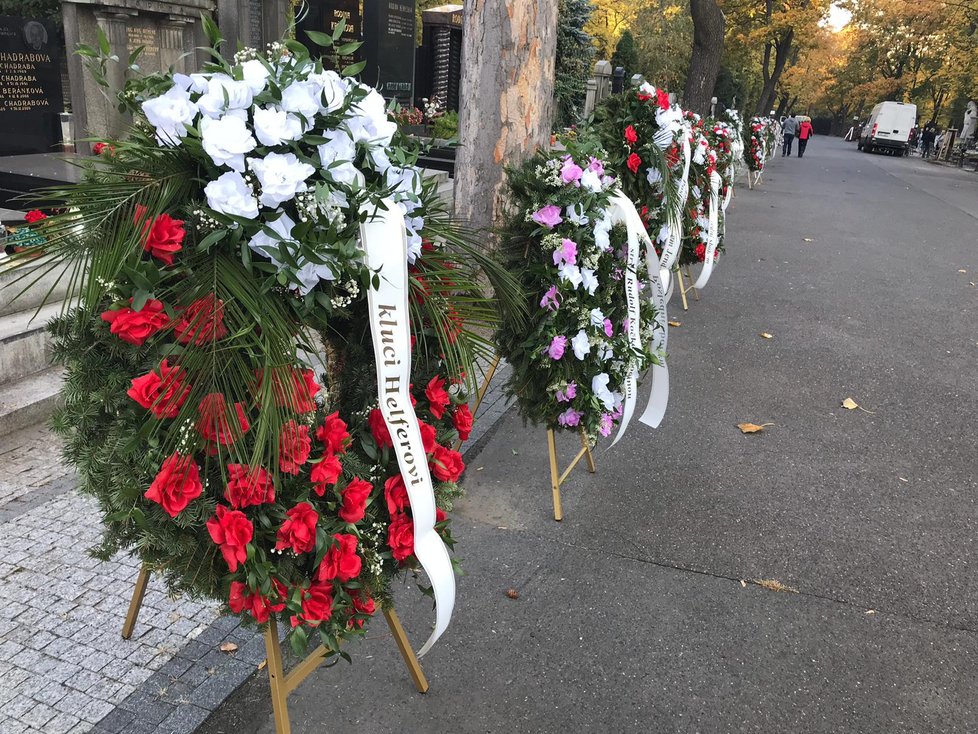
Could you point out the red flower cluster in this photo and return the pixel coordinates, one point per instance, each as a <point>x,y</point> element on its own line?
<point>631,137</point>
<point>176,485</point>
<point>201,322</point>
<point>213,425</point>
<point>355,496</point>
<point>260,607</point>
<point>232,531</point>
<point>163,237</point>
<point>135,327</point>
<point>249,486</point>
<point>438,399</point>
<point>341,561</point>
<point>298,533</point>
<point>317,605</point>
<point>294,446</point>
<point>633,162</point>
<point>163,393</point>
<point>34,215</point>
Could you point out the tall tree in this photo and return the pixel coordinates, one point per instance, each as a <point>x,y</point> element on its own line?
<point>575,57</point>
<point>625,54</point>
<point>704,64</point>
<point>508,52</point>
<point>609,19</point>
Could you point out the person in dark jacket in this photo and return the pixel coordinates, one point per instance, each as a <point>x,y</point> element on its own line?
<point>804,133</point>
<point>927,138</point>
<point>789,128</point>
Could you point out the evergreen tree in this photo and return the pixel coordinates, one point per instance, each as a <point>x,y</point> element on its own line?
<point>575,57</point>
<point>626,55</point>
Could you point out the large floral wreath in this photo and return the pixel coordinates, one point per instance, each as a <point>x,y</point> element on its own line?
<point>220,396</point>
<point>697,210</point>
<point>571,363</point>
<point>757,143</point>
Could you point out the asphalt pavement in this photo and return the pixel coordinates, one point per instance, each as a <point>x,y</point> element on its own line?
<point>818,576</point>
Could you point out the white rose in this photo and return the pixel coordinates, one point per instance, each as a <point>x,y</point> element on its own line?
<point>597,318</point>
<point>340,151</point>
<point>267,245</point>
<point>602,229</point>
<point>255,75</point>
<point>653,175</point>
<point>301,98</point>
<point>599,386</point>
<point>226,141</point>
<point>309,274</point>
<point>170,114</point>
<point>570,274</point>
<point>274,126</point>
<point>581,345</point>
<point>332,89</point>
<point>591,181</point>
<point>281,177</point>
<point>229,194</point>
<point>589,280</point>
<point>371,124</point>
<point>405,182</point>
<point>224,93</point>
<point>575,214</point>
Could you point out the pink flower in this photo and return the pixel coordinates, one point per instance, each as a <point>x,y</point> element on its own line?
<point>548,216</point>
<point>608,328</point>
<point>566,253</point>
<point>557,346</point>
<point>596,166</point>
<point>570,171</point>
<point>551,299</point>
<point>626,323</point>
<point>606,423</point>
<point>568,393</point>
<point>570,418</point>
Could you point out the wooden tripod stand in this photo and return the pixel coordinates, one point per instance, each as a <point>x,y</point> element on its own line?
<point>280,682</point>
<point>683,288</point>
<point>557,478</point>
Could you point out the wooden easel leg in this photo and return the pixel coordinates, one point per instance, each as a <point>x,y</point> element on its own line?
<point>587,452</point>
<point>483,389</point>
<point>696,293</point>
<point>138,592</point>
<point>276,679</point>
<point>404,645</point>
<point>554,475</point>
<point>682,288</point>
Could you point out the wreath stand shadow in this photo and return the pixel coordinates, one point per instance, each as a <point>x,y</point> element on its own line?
<point>280,682</point>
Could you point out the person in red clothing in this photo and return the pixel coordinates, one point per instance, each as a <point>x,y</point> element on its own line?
<point>804,133</point>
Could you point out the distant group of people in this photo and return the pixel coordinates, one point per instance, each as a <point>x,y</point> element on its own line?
<point>793,128</point>
<point>927,139</point>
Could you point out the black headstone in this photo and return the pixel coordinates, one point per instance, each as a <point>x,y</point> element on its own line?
<point>439,59</point>
<point>388,48</point>
<point>30,86</point>
<point>323,16</point>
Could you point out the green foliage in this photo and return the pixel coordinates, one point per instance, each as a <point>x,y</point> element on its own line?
<point>32,8</point>
<point>626,55</point>
<point>575,58</point>
<point>445,127</point>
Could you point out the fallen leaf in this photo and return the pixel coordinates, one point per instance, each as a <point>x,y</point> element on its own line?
<point>512,593</point>
<point>743,584</point>
<point>765,335</point>
<point>262,664</point>
<point>228,647</point>
<point>675,323</point>
<point>962,270</point>
<point>870,611</point>
<point>752,427</point>
<point>809,239</point>
<point>774,585</point>
<point>850,404</point>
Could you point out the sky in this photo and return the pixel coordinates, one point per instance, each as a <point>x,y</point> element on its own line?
<point>838,17</point>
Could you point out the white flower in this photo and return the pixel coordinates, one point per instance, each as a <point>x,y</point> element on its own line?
<point>590,280</point>
<point>170,114</point>
<point>281,177</point>
<point>591,181</point>
<point>332,88</point>
<point>267,245</point>
<point>193,83</point>
<point>274,126</point>
<point>581,345</point>
<point>699,157</point>
<point>229,194</point>
<point>405,182</point>
<point>380,160</point>
<point>664,234</point>
<point>606,352</point>
<point>697,194</point>
<point>255,75</point>
<point>576,215</point>
<point>597,318</point>
<point>601,231</point>
<point>654,175</point>
<point>309,274</point>
<point>599,386</point>
<point>226,141</point>
<point>337,156</point>
<point>570,274</point>
<point>301,98</point>
<point>224,93</point>
<point>371,124</point>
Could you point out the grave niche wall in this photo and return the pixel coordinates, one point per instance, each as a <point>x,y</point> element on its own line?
<point>30,86</point>
<point>170,33</point>
<point>439,59</point>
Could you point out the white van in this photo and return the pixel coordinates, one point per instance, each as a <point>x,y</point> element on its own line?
<point>888,127</point>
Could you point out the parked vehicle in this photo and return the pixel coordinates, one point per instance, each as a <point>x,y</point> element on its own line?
<point>888,128</point>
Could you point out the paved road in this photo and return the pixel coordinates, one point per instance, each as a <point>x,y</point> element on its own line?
<point>642,611</point>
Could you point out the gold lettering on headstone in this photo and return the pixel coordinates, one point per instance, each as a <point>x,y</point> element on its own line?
<point>20,89</point>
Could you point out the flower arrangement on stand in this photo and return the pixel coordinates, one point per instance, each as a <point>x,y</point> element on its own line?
<point>756,145</point>
<point>571,363</point>
<point>696,213</point>
<point>221,398</point>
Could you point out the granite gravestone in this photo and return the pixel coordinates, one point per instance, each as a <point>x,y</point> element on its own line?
<point>438,72</point>
<point>323,17</point>
<point>30,86</point>
<point>388,48</point>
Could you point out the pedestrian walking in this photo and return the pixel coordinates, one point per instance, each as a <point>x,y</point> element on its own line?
<point>927,138</point>
<point>805,132</point>
<point>789,129</point>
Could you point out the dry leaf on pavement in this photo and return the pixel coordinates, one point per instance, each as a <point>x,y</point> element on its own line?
<point>752,427</point>
<point>675,323</point>
<point>765,335</point>
<point>228,647</point>
<point>808,239</point>
<point>850,404</point>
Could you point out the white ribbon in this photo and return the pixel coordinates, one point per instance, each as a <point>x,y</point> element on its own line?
<point>674,217</point>
<point>712,232</point>
<point>384,241</point>
<point>621,210</point>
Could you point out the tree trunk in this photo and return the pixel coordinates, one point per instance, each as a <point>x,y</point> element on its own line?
<point>508,54</point>
<point>782,49</point>
<point>704,65</point>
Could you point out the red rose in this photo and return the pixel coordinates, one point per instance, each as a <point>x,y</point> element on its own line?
<point>362,604</point>
<point>260,607</point>
<point>333,433</point>
<point>634,161</point>
<point>447,465</point>
<point>341,561</point>
<point>299,531</point>
<point>294,446</point>
<point>326,471</point>
<point>396,495</point>
<point>378,429</point>
<point>630,135</point>
<point>296,391</point>
<point>400,537</point>
<point>701,252</point>
<point>463,421</point>
<point>440,515</point>
<point>232,531</point>
<point>177,483</point>
<point>98,148</point>
<point>213,423</point>
<point>34,215</point>
<point>135,327</point>
<point>429,436</point>
<point>437,397</point>
<point>643,97</point>
<point>662,97</point>
<point>355,496</point>
<point>249,486</point>
<point>161,393</point>
<point>317,605</point>
<point>672,156</point>
<point>201,322</point>
<point>163,238</point>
